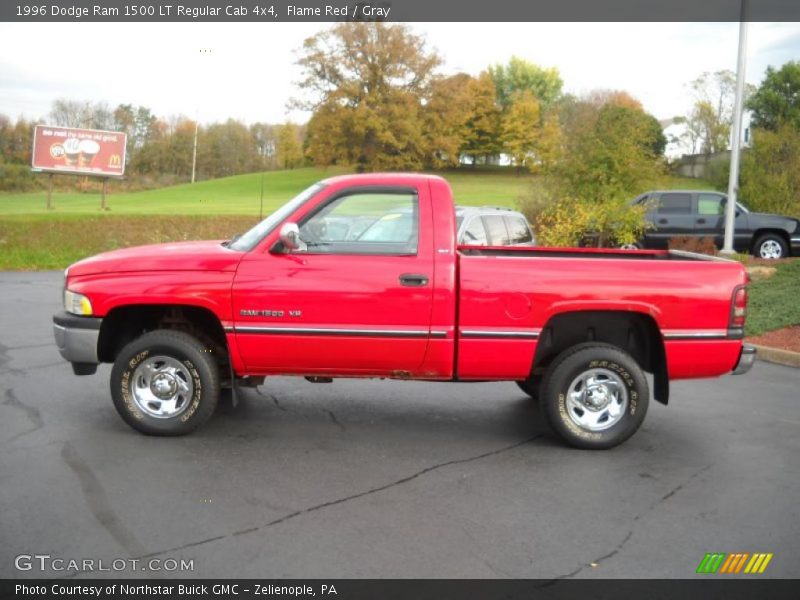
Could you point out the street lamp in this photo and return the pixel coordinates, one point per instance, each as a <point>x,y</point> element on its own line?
<point>736,142</point>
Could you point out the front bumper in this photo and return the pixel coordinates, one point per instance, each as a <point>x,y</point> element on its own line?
<point>746,360</point>
<point>76,338</point>
<point>794,243</point>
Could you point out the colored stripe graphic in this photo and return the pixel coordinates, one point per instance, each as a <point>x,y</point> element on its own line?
<point>758,563</point>
<point>711,562</point>
<point>722,562</point>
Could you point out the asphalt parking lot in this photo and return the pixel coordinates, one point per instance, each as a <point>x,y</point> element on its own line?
<point>386,479</point>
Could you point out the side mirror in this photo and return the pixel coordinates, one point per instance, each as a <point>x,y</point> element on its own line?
<point>290,237</point>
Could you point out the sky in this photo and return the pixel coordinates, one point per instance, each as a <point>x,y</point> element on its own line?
<point>247,71</point>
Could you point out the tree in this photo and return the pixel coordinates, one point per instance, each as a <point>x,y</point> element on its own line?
<point>265,138</point>
<point>608,153</point>
<point>445,116</point>
<point>521,75</point>
<point>777,99</point>
<point>710,118</point>
<point>289,149</point>
<point>482,131</point>
<point>73,113</point>
<point>366,83</point>
<point>522,129</point>
<point>771,171</point>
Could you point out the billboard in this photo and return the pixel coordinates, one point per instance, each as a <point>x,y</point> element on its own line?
<point>80,151</point>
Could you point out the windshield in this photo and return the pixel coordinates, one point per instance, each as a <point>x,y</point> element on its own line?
<point>249,240</point>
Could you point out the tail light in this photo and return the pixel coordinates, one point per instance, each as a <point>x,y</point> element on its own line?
<point>738,307</point>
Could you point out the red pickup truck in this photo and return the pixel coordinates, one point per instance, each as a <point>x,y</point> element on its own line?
<point>360,276</point>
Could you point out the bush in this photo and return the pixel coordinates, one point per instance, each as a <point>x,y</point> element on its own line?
<point>565,221</point>
<point>17,178</point>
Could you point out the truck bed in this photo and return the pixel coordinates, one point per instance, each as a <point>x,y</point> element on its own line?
<point>543,252</point>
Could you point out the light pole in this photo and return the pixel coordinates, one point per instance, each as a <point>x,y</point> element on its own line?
<point>194,150</point>
<point>736,142</point>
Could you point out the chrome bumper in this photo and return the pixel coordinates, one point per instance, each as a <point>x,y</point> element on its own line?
<point>794,242</point>
<point>746,360</point>
<point>76,338</point>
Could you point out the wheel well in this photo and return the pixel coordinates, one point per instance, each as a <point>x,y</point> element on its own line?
<point>779,232</point>
<point>635,333</point>
<point>126,323</point>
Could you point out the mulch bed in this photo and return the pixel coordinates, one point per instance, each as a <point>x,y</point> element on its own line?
<point>787,338</point>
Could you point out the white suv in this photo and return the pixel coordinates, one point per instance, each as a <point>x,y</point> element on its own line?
<point>492,226</point>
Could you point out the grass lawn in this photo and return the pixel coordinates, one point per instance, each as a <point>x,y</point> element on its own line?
<point>31,237</point>
<point>773,303</point>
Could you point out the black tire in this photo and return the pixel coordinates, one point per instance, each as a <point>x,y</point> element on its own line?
<point>773,242</point>
<point>196,368</point>
<point>611,362</point>
<point>531,386</point>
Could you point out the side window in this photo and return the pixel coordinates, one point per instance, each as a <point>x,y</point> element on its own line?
<point>518,231</point>
<point>675,204</point>
<point>710,204</point>
<point>496,228</point>
<point>364,223</point>
<point>475,234</point>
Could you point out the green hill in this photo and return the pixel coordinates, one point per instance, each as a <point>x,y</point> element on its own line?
<point>240,195</point>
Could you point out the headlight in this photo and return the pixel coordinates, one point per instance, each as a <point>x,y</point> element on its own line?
<point>77,304</point>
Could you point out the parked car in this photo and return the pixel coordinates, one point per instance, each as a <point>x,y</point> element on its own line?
<point>701,213</point>
<point>475,226</point>
<point>577,328</point>
<point>492,226</point>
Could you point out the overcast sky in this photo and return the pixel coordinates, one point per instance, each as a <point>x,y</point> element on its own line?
<point>249,73</point>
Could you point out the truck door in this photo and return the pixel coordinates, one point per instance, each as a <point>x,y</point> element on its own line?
<point>673,218</point>
<point>357,300</point>
<point>710,221</point>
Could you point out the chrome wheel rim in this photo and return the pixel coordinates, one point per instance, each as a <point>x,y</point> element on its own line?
<point>162,387</point>
<point>596,399</point>
<point>629,247</point>
<point>770,249</point>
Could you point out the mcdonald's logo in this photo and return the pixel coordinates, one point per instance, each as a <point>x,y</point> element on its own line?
<point>734,563</point>
<point>114,160</point>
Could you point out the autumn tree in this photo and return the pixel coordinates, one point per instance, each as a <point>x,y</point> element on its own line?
<point>365,83</point>
<point>777,99</point>
<point>609,153</point>
<point>445,117</point>
<point>520,75</point>
<point>289,150</point>
<point>522,129</point>
<point>482,131</point>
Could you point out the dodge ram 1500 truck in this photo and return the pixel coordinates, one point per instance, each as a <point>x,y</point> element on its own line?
<point>360,276</point>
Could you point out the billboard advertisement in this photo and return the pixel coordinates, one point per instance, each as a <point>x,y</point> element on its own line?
<point>78,151</point>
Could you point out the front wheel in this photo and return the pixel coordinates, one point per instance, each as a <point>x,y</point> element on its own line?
<point>770,246</point>
<point>165,383</point>
<point>594,395</point>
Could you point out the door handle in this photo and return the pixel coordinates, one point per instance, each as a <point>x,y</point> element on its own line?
<point>413,279</point>
<point>701,221</point>
<point>662,221</point>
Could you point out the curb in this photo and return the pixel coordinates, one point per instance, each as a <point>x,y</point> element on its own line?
<point>777,356</point>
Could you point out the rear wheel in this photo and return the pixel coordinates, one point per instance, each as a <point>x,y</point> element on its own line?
<point>165,383</point>
<point>594,395</point>
<point>770,246</point>
<point>633,246</point>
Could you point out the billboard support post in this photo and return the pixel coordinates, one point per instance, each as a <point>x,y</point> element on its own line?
<point>49,191</point>
<point>103,195</point>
